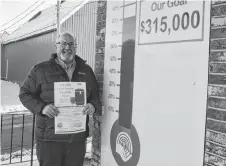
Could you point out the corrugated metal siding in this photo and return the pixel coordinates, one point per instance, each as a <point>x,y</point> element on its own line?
<point>25,54</point>
<point>83,26</point>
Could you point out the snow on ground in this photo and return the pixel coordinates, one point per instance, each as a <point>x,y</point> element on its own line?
<point>10,102</point>
<point>16,156</point>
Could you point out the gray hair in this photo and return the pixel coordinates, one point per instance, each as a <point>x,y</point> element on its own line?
<point>65,34</point>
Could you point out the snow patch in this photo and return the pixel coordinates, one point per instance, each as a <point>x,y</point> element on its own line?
<point>10,102</point>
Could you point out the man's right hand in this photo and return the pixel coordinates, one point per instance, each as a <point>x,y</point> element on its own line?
<point>50,110</point>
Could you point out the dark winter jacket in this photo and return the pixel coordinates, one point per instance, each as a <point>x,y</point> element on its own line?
<point>38,91</point>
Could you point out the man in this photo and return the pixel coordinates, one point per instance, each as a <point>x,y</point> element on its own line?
<point>37,95</point>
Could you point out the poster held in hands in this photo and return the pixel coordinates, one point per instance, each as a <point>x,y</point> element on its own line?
<point>70,99</point>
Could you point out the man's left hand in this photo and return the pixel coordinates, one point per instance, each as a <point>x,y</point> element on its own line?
<point>89,109</point>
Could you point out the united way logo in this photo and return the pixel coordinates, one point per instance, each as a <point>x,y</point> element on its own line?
<point>124,146</point>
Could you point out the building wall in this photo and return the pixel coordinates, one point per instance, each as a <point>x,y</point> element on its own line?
<point>24,54</point>
<point>215,147</point>
<point>83,26</point>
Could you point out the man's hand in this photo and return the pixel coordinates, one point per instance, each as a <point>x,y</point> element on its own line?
<point>50,110</point>
<point>89,109</point>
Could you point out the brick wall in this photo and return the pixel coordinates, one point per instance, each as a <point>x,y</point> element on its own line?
<point>215,147</point>
<point>99,71</point>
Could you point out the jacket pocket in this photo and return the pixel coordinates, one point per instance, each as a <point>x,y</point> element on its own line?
<point>40,127</point>
<point>49,123</point>
<point>40,122</point>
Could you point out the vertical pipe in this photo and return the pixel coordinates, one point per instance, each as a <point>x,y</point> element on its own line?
<point>7,68</point>
<point>58,18</point>
<point>32,144</point>
<point>11,144</point>
<point>22,140</point>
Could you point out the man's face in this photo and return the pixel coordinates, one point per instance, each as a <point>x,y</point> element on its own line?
<point>66,47</point>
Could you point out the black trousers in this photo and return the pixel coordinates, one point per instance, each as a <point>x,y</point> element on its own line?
<point>60,153</point>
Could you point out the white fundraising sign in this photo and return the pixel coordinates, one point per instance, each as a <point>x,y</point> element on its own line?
<point>70,99</point>
<point>170,21</point>
<point>155,83</point>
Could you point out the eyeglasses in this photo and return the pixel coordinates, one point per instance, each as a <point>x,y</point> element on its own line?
<point>64,44</point>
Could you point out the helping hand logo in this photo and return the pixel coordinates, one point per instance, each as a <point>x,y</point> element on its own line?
<point>124,146</point>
